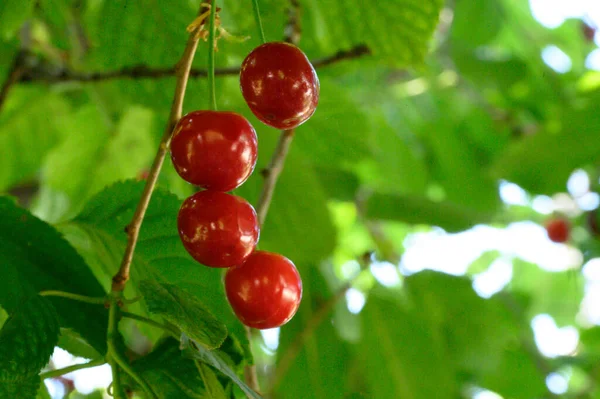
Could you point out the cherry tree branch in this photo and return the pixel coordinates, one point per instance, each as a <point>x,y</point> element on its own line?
<point>287,358</point>
<point>182,73</point>
<point>15,73</point>
<point>145,72</point>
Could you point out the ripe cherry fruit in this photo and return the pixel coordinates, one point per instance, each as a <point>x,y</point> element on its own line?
<point>558,230</point>
<point>214,150</point>
<point>218,229</point>
<point>264,291</point>
<point>280,85</point>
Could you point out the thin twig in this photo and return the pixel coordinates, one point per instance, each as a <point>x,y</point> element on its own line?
<point>17,70</point>
<point>70,369</point>
<point>300,339</point>
<point>182,71</point>
<point>272,172</point>
<point>145,72</point>
<point>288,357</point>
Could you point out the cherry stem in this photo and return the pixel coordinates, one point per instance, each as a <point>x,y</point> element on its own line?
<point>69,369</point>
<point>212,98</point>
<point>75,297</point>
<point>258,20</point>
<point>271,174</point>
<point>182,72</point>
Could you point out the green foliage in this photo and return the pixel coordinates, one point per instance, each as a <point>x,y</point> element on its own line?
<point>26,341</point>
<point>98,234</point>
<point>558,294</point>
<point>12,15</point>
<point>35,257</point>
<point>96,154</point>
<point>572,146</point>
<point>173,376</point>
<point>388,356</point>
<point>318,368</point>
<point>396,31</point>
<point>453,100</point>
<point>31,124</point>
<point>482,337</point>
<point>220,361</point>
<point>185,311</point>
<point>419,210</point>
<point>72,342</point>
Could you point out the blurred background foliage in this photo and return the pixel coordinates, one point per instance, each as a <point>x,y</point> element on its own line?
<point>412,202</point>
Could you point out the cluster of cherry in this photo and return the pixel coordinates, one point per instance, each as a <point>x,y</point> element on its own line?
<point>217,151</point>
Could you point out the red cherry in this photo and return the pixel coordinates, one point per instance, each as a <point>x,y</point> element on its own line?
<point>264,291</point>
<point>218,229</point>
<point>280,85</point>
<point>214,150</point>
<point>588,32</point>
<point>558,230</point>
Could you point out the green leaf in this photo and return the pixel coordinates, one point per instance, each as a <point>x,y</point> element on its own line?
<point>558,294</point>
<point>185,311</point>
<point>35,257</point>
<point>173,376</point>
<point>31,124</point>
<point>72,342</point>
<point>338,133</point>
<point>456,165</point>
<point>96,154</point>
<point>58,16</point>
<point>396,165</point>
<point>338,184</point>
<point>110,25</point>
<point>476,31</point>
<point>321,365</point>
<point>573,146</point>
<point>397,31</point>
<point>397,352</point>
<point>26,343</point>
<point>213,387</point>
<point>25,388</point>
<point>483,336</point>
<point>12,15</point>
<point>43,392</point>
<point>517,376</point>
<point>219,362</point>
<point>3,316</point>
<point>420,210</point>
